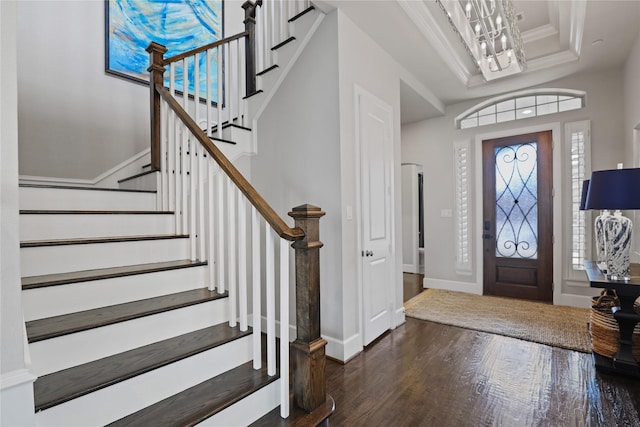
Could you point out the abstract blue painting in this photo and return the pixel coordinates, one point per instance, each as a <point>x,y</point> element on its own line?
<point>180,25</point>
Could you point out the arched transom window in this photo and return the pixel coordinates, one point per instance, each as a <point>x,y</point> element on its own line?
<point>521,105</point>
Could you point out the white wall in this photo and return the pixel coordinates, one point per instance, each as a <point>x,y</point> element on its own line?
<point>299,155</point>
<point>431,143</point>
<point>16,393</point>
<point>632,103</point>
<point>307,154</point>
<point>76,121</point>
<point>366,65</point>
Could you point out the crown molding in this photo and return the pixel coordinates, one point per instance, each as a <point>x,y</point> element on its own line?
<point>430,28</point>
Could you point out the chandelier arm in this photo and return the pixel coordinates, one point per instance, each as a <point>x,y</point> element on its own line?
<point>485,33</point>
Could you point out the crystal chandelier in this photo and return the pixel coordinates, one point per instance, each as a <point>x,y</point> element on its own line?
<point>490,33</point>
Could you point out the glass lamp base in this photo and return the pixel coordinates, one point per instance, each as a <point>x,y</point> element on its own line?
<point>617,234</point>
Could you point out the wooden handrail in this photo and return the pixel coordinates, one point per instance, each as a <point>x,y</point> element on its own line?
<point>180,56</point>
<point>267,212</point>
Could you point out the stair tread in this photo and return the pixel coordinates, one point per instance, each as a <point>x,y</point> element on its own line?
<point>59,387</point>
<point>70,187</point>
<point>301,14</point>
<point>282,43</point>
<point>89,212</point>
<point>51,327</point>
<point>33,282</point>
<point>92,240</point>
<point>200,402</point>
<point>138,175</point>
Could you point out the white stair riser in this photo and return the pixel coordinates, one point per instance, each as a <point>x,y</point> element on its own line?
<point>242,146</point>
<point>72,199</point>
<point>107,405</point>
<point>69,298</point>
<point>148,182</point>
<point>247,410</point>
<point>55,354</point>
<point>69,226</point>
<point>66,258</point>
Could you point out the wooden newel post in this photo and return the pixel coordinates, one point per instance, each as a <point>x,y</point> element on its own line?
<point>156,79</point>
<point>250,44</point>
<point>308,350</point>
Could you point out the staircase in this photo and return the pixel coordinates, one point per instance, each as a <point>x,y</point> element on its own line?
<point>144,304</point>
<point>120,323</point>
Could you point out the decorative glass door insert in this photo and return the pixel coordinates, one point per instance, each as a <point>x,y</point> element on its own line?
<point>516,181</point>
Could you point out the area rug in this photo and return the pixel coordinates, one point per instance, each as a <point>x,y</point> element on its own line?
<point>558,326</point>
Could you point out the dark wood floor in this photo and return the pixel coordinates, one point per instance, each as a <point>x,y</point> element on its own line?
<point>424,374</point>
<point>427,374</point>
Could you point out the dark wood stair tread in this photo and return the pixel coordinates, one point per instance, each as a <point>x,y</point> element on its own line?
<point>70,187</point>
<point>297,416</point>
<point>34,282</point>
<point>89,212</point>
<point>51,327</point>
<point>62,386</point>
<point>301,14</point>
<point>92,240</point>
<point>282,43</point>
<point>202,401</point>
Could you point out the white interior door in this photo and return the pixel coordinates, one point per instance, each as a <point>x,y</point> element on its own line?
<point>376,188</point>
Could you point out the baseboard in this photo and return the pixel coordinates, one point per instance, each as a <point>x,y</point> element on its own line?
<point>451,285</point>
<point>106,179</point>
<point>399,317</point>
<point>343,350</point>
<point>16,398</point>
<point>409,268</point>
<point>572,300</point>
<point>46,180</point>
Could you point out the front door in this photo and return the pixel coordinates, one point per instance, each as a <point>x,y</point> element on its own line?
<point>375,142</point>
<point>518,216</point>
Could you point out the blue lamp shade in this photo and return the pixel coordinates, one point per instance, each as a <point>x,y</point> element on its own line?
<point>614,189</point>
<point>583,197</point>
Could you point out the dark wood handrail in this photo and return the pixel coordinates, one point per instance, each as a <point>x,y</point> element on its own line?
<point>267,212</point>
<point>180,56</point>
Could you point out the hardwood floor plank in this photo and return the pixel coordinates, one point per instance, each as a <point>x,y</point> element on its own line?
<point>59,387</point>
<point>51,327</point>
<point>424,373</point>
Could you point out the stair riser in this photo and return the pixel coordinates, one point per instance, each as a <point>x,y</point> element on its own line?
<point>147,182</point>
<point>74,349</point>
<point>63,299</point>
<point>248,410</point>
<point>107,405</point>
<point>66,258</point>
<point>69,226</point>
<point>70,199</point>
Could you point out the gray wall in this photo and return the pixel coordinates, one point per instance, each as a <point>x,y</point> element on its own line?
<point>76,121</point>
<point>430,143</point>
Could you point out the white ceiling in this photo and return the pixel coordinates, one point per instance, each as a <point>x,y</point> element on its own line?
<point>558,38</point>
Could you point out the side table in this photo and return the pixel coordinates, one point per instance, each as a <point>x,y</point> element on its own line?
<point>623,362</point>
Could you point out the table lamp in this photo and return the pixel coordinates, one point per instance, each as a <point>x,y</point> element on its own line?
<point>615,189</point>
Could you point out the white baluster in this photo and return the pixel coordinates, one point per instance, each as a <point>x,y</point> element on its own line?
<point>271,301</point>
<point>209,93</point>
<point>193,193</point>
<point>220,103</point>
<point>185,84</point>
<point>202,176</point>
<point>173,148</point>
<point>242,261</point>
<point>164,168</point>
<point>211,246</point>
<point>284,328</point>
<point>220,249</point>
<point>231,251</point>
<point>230,83</point>
<point>257,309</point>
<point>196,87</point>
<point>182,179</point>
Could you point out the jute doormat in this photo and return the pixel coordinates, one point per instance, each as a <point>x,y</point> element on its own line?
<point>558,326</point>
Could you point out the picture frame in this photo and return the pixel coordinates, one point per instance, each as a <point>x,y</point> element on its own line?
<point>179,25</point>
